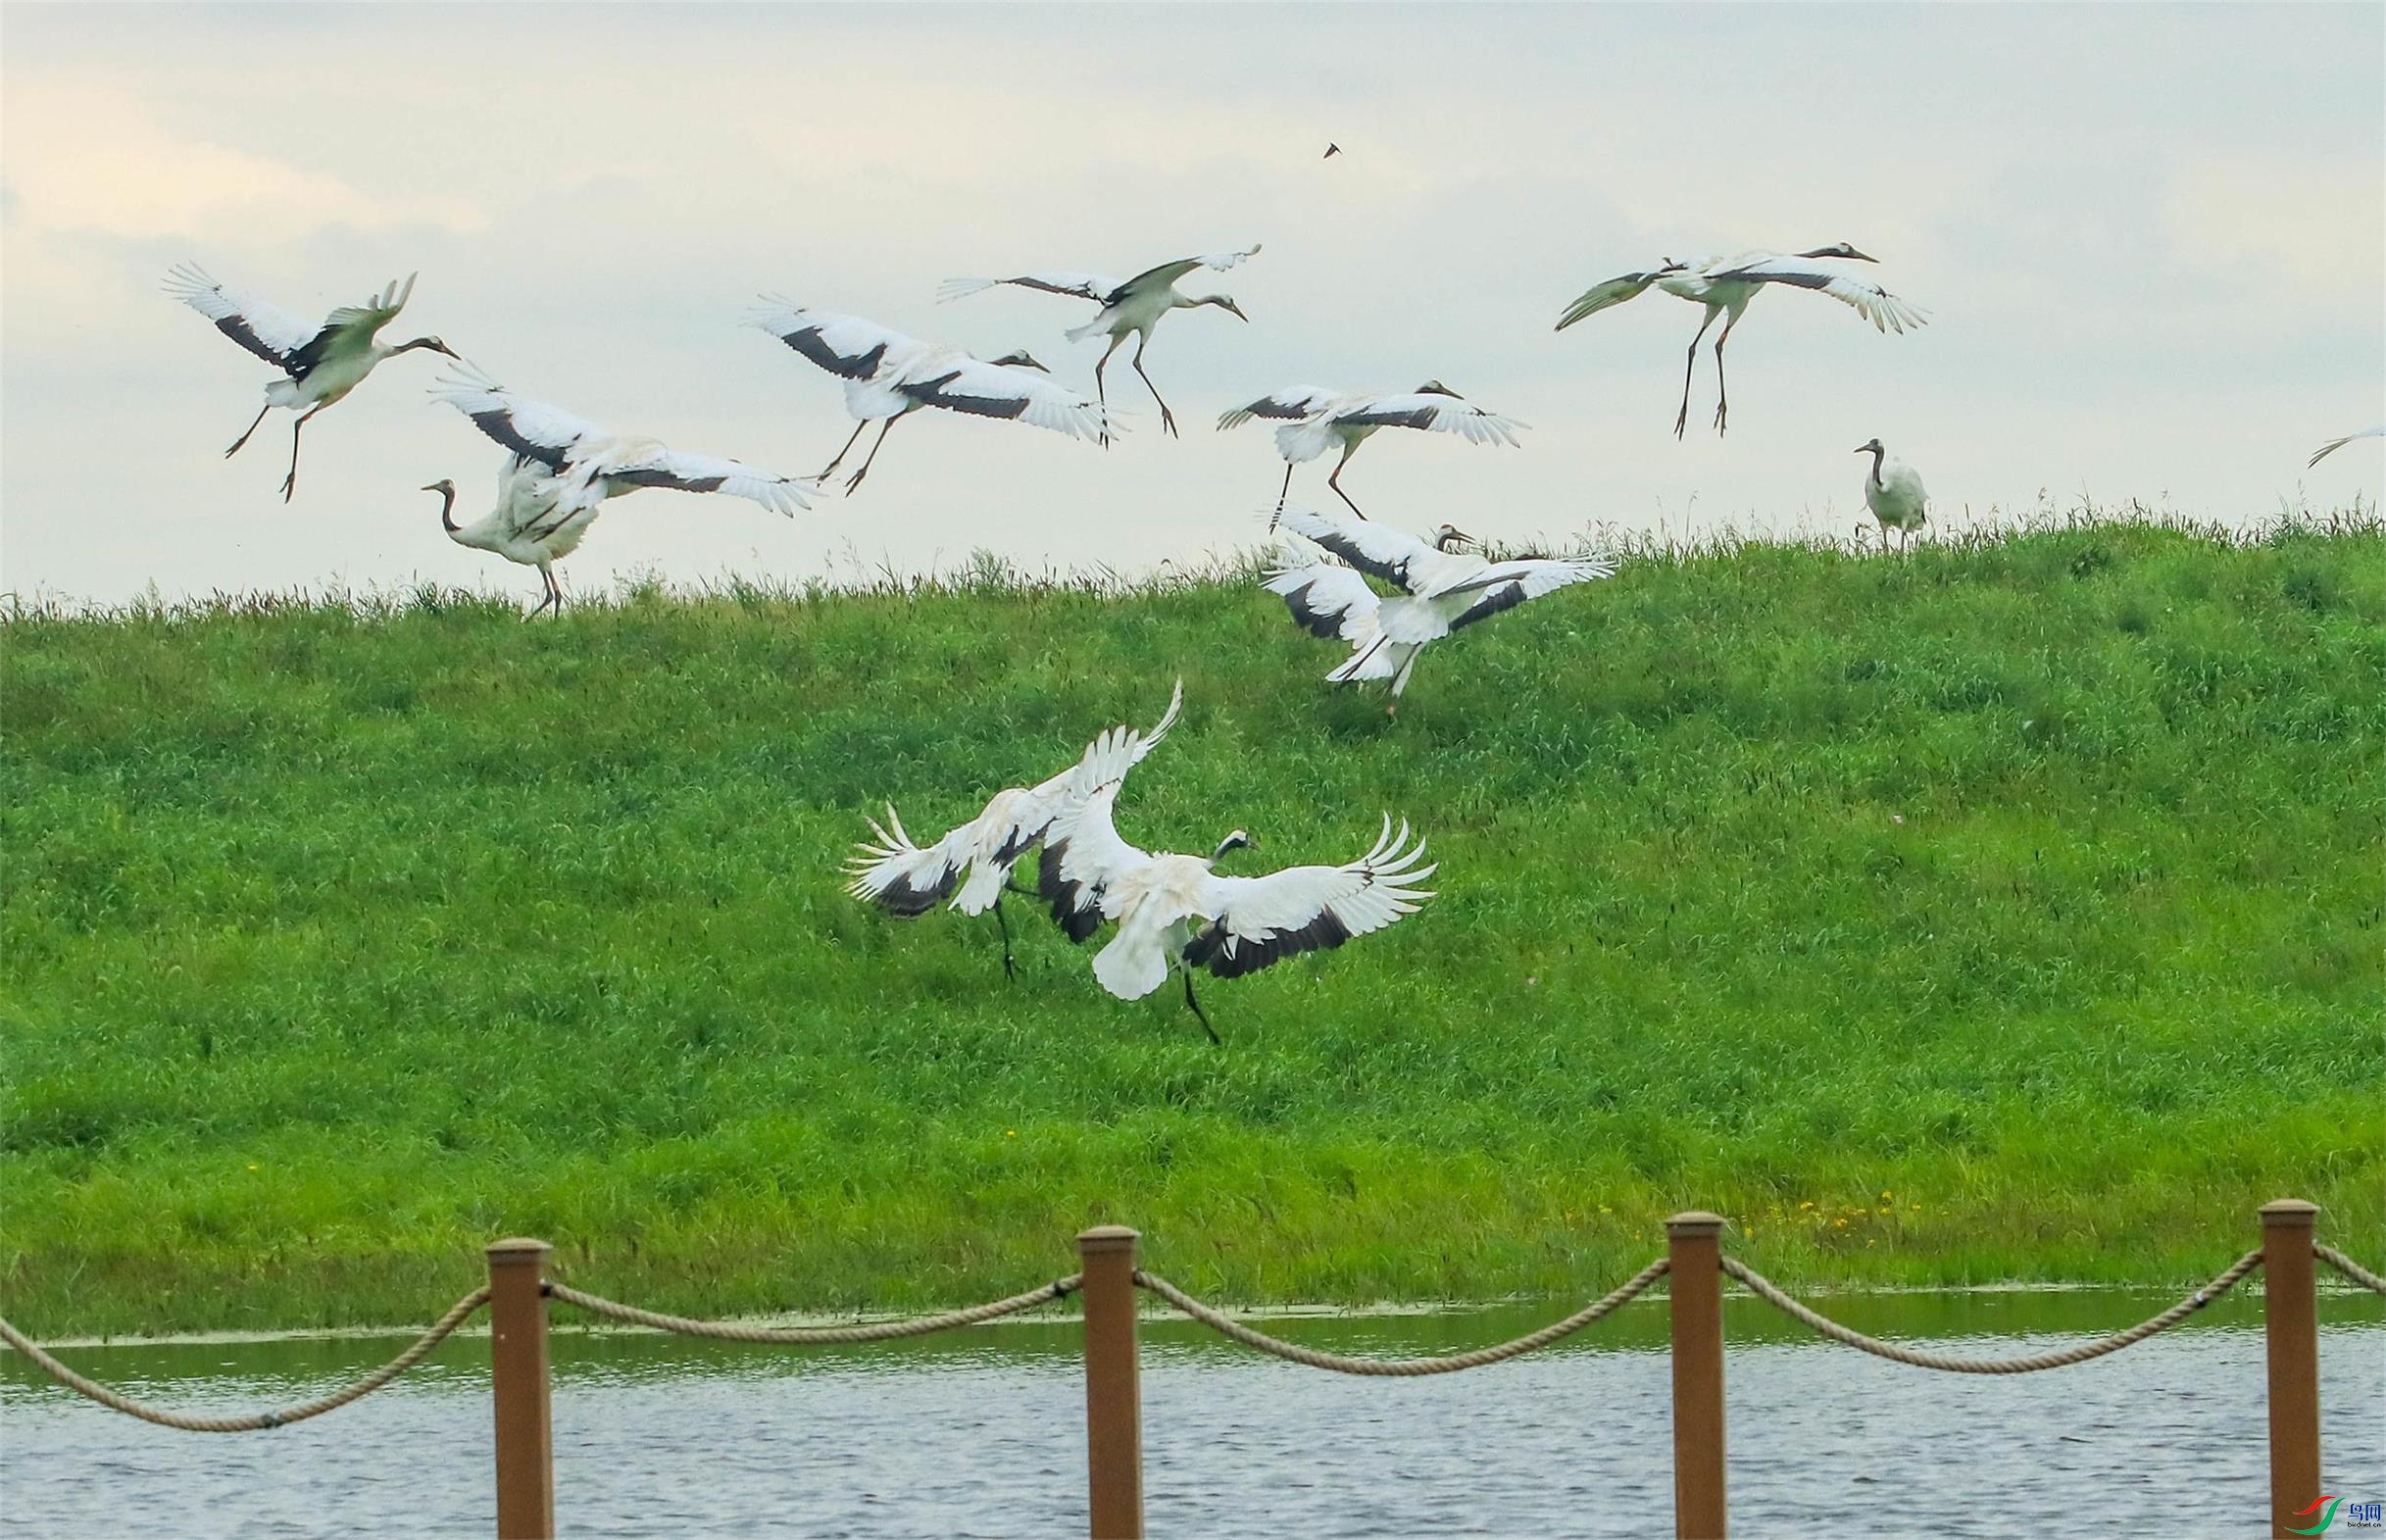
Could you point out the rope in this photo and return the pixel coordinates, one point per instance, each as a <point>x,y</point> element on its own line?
<point>1400,1367</point>
<point>732,1331</point>
<point>2350,1268</point>
<point>1764,1289</point>
<point>257,1419</point>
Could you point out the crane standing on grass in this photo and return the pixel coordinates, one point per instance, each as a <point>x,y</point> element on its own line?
<point>1894,492</point>
<point>908,880</point>
<point>888,375</point>
<point>321,364</point>
<point>1316,420</point>
<point>1727,284</point>
<point>1129,308</point>
<point>526,525</point>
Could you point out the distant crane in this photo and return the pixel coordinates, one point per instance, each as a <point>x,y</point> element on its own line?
<point>1894,492</point>
<point>588,464</point>
<point>1446,588</point>
<point>1316,418</point>
<point>1331,150</point>
<point>908,880</point>
<point>1177,911</point>
<point>2335,444</point>
<point>525,527</point>
<point>888,375</point>
<point>1129,308</point>
<point>322,364</point>
<point>1729,284</point>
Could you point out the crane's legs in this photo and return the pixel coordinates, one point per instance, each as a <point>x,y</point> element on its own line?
<point>1011,965</point>
<point>1282,494</point>
<point>1335,481</point>
<point>289,483</point>
<point>551,595</point>
<point>1168,418</point>
<point>1100,398</point>
<point>876,445</point>
<point>1199,1015</point>
<point>1723,395</point>
<point>842,453</point>
<point>252,428</point>
<point>1682,418</point>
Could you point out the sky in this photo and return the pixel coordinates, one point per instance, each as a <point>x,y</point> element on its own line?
<point>2152,241</point>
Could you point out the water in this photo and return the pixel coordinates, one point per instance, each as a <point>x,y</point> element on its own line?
<point>981,1432</point>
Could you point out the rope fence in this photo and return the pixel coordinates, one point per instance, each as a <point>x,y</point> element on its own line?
<point>1450,1363</point>
<point>255,1421</point>
<point>519,1292</point>
<point>1767,1290</point>
<point>878,1332</point>
<point>2350,1268</point>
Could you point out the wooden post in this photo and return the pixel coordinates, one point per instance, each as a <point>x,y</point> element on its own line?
<point>1694,1243</point>
<point>518,1377</point>
<point>1114,1415</point>
<point>2290,1311</point>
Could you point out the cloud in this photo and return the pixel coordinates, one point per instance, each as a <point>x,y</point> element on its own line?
<point>89,158</point>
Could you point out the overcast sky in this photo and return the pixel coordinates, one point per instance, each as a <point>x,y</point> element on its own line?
<point>2151,240</point>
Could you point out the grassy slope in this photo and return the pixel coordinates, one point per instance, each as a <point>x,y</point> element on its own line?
<point>337,945</point>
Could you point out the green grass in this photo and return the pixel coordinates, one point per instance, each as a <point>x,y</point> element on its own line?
<point>340,939</point>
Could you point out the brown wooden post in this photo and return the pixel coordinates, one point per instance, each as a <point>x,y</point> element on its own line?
<point>1114,1412</point>
<point>2290,1311</point>
<point>518,1374</point>
<point>1694,1243</point>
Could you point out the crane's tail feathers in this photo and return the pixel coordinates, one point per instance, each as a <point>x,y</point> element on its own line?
<point>960,288</point>
<point>1092,328</point>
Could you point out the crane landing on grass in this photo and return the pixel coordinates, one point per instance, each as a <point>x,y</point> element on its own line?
<point>1729,284</point>
<point>1130,308</point>
<point>908,880</point>
<point>525,527</point>
<point>1179,912</point>
<point>321,364</point>
<point>1446,588</point>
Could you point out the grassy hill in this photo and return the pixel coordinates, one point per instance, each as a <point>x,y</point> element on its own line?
<point>2008,912</point>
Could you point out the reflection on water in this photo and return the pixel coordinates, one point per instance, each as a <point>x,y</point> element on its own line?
<point>981,1432</point>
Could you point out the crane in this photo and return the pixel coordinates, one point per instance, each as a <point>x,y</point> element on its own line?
<point>1729,284</point>
<point>906,880</point>
<point>320,365</point>
<point>1894,492</point>
<point>1178,910</point>
<point>888,375</point>
<point>1131,307</point>
<point>1316,418</point>
<point>527,526</point>
<point>1445,587</point>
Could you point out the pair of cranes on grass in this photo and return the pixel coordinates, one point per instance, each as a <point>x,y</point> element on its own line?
<point>1173,912</point>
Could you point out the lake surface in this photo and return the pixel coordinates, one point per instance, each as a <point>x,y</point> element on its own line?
<point>982,1433</point>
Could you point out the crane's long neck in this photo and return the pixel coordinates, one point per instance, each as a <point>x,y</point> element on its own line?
<point>447,510</point>
<point>1879,454</point>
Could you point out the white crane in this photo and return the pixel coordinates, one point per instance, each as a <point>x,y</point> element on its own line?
<point>908,880</point>
<point>888,375</point>
<point>1316,418</point>
<point>588,464</point>
<point>525,527</point>
<point>2335,444</point>
<point>321,364</point>
<point>1894,492</point>
<point>1446,587</point>
<point>1130,307</point>
<point>1178,909</point>
<point>1727,284</point>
